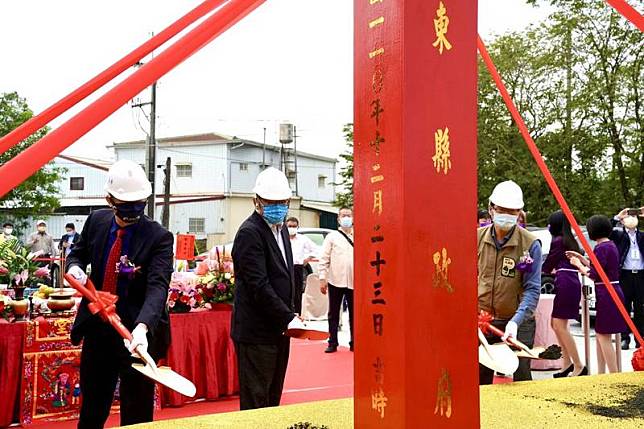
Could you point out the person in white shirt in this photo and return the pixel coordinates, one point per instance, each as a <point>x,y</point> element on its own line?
<point>630,243</point>
<point>303,251</point>
<point>336,274</point>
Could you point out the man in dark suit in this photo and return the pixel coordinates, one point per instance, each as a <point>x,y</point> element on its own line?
<point>264,306</point>
<point>111,237</point>
<point>630,242</point>
<point>69,239</point>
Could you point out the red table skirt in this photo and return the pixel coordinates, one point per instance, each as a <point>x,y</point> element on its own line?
<point>11,348</point>
<point>202,351</point>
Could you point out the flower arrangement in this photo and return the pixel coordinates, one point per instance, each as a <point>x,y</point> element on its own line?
<point>18,265</point>
<point>525,263</point>
<point>216,279</point>
<point>183,295</point>
<point>5,307</point>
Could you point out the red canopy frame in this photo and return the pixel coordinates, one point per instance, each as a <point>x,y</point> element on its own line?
<point>61,106</point>
<point>18,169</point>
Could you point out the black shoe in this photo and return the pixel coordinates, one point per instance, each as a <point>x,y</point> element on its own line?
<point>565,372</point>
<point>584,371</point>
<point>626,344</point>
<point>350,347</point>
<point>331,349</point>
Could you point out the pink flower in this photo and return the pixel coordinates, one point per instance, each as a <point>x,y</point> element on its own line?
<point>228,267</point>
<point>202,269</point>
<point>221,287</point>
<point>21,278</point>
<point>42,272</point>
<point>3,270</point>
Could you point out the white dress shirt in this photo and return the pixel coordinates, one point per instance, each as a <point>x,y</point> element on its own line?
<point>277,234</point>
<point>336,260</point>
<point>633,259</point>
<point>303,247</point>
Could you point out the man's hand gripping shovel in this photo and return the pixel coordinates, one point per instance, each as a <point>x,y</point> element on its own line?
<point>104,304</point>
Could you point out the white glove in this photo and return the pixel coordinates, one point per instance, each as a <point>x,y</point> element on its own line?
<point>296,323</point>
<point>139,339</point>
<point>76,272</point>
<point>510,330</point>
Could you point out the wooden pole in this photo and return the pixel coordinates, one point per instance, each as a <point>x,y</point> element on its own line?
<point>415,108</point>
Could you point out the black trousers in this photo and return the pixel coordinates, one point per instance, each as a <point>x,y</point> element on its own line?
<point>262,368</point>
<point>336,294</point>
<point>525,334</point>
<point>633,287</point>
<point>299,287</point>
<point>104,359</point>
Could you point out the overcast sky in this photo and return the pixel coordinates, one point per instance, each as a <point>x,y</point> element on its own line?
<point>290,60</point>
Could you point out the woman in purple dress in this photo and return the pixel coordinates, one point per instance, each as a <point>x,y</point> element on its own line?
<point>567,290</point>
<point>608,320</point>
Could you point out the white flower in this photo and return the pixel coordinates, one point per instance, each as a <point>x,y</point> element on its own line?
<point>227,276</point>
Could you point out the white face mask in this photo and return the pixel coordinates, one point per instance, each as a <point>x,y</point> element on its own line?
<point>505,221</point>
<point>8,231</point>
<point>292,231</point>
<point>630,222</point>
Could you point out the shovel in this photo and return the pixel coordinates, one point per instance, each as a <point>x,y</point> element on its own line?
<point>498,357</point>
<point>104,304</point>
<point>301,331</point>
<point>552,352</point>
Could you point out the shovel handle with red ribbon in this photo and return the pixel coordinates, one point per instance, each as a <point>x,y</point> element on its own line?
<point>104,304</point>
<point>485,325</point>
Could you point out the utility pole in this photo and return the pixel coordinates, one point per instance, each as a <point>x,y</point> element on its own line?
<point>165,216</point>
<point>297,191</point>
<point>151,147</point>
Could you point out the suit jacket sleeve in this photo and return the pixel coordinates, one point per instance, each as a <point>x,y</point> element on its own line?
<point>252,265</point>
<point>79,255</point>
<point>158,280</point>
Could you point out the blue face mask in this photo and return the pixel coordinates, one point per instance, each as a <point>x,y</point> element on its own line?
<point>505,221</point>
<point>275,213</point>
<point>346,222</point>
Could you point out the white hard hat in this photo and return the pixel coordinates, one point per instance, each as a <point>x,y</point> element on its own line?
<point>126,181</point>
<point>272,184</point>
<point>507,195</point>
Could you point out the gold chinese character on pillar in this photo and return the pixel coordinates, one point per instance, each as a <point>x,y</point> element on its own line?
<point>440,26</point>
<point>444,396</point>
<point>377,202</point>
<point>441,265</point>
<point>442,157</point>
<point>379,402</point>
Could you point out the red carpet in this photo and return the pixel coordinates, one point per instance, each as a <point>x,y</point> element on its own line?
<point>312,376</point>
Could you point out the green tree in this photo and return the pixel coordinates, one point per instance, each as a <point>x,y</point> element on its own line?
<point>577,80</point>
<point>344,198</point>
<point>39,193</point>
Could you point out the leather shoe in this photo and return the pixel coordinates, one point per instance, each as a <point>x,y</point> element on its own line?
<point>584,371</point>
<point>626,344</point>
<point>331,349</point>
<point>564,373</point>
<point>351,347</point>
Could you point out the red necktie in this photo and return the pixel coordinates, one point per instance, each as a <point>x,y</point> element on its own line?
<point>111,276</point>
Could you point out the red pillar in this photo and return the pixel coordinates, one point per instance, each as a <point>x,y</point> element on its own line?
<point>415,187</point>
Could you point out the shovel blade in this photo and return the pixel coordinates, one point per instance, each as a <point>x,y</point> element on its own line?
<point>501,358</point>
<point>307,334</point>
<point>169,378</point>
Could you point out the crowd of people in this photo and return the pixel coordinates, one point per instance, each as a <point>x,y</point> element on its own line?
<point>510,266</point>
<point>269,257</point>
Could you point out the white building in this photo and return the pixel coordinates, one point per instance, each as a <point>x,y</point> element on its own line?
<point>211,182</point>
<point>212,177</point>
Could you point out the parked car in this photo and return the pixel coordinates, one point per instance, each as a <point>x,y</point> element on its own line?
<point>548,279</point>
